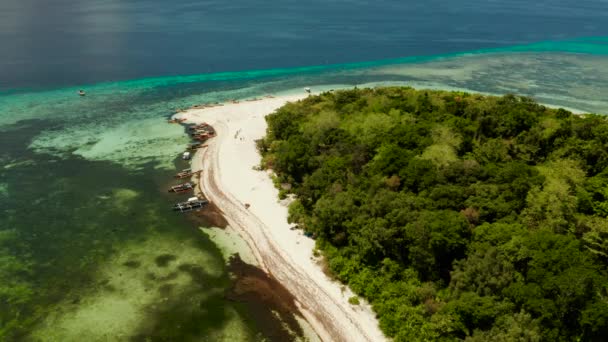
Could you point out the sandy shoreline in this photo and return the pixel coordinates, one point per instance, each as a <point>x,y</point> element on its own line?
<point>229,180</point>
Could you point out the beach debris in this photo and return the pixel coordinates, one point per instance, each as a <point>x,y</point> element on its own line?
<point>193,203</point>
<point>186,156</point>
<point>182,187</point>
<point>247,205</point>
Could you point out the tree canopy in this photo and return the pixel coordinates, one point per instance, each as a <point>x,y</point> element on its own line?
<point>458,216</point>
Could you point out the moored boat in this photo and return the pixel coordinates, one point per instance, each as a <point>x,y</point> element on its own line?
<point>185,173</point>
<point>199,126</point>
<point>208,130</point>
<point>182,187</point>
<point>180,120</point>
<point>195,146</point>
<point>202,137</point>
<point>193,203</point>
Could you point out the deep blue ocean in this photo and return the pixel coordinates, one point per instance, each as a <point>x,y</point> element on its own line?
<point>88,245</point>
<point>60,42</point>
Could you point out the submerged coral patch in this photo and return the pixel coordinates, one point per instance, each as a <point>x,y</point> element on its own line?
<point>164,259</point>
<point>133,291</point>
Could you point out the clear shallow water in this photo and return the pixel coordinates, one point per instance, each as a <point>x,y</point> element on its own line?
<point>82,180</point>
<point>92,236</point>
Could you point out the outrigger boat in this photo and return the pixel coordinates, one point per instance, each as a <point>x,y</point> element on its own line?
<point>200,131</point>
<point>180,120</point>
<point>182,187</point>
<point>195,146</point>
<point>203,130</point>
<point>203,137</point>
<point>185,173</point>
<point>199,126</point>
<point>193,203</point>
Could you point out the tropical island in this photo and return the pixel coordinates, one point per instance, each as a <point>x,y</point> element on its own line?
<point>457,216</point>
<point>418,215</point>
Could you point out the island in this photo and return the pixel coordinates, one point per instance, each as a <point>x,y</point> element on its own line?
<point>419,215</point>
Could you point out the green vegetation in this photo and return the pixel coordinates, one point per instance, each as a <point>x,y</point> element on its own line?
<point>458,216</point>
<point>354,300</point>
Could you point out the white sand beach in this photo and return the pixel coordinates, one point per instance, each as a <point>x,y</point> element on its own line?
<point>230,181</point>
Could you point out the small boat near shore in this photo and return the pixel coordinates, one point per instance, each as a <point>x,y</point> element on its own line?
<point>180,120</point>
<point>182,187</point>
<point>185,173</point>
<point>202,127</point>
<point>203,136</point>
<point>203,131</point>
<point>193,203</point>
<point>195,146</point>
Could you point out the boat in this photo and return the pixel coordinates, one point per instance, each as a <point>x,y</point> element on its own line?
<point>193,203</point>
<point>81,92</point>
<point>180,120</point>
<point>195,146</point>
<point>184,173</point>
<point>203,137</point>
<point>199,126</point>
<point>202,130</point>
<point>182,187</point>
<point>186,156</point>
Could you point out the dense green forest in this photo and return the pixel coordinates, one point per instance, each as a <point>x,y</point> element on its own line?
<point>458,216</point>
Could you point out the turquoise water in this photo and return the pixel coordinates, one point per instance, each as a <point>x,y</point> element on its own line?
<point>83,187</point>
<point>587,45</point>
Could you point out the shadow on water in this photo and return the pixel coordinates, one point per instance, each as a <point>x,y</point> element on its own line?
<point>263,295</point>
<point>266,305</point>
